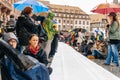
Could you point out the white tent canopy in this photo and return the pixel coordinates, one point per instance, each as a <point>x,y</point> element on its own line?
<point>68,64</point>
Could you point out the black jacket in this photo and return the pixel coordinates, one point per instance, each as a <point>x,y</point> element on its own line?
<point>24,28</point>
<point>40,56</point>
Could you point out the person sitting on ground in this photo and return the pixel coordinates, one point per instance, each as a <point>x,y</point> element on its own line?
<point>9,71</point>
<point>36,51</point>
<point>87,48</point>
<point>97,50</point>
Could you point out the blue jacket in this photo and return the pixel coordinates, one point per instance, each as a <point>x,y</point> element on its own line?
<point>38,72</point>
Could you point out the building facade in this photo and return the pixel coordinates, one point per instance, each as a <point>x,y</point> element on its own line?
<point>6,9</point>
<point>115,1</point>
<point>97,22</point>
<point>69,17</point>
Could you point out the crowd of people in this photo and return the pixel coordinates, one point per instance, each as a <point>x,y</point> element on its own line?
<point>95,45</point>
<point>32,36</point>
<point>36,38</point>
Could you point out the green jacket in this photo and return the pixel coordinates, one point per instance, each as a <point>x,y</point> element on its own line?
<point>114,31</point>
<point>48,26</point>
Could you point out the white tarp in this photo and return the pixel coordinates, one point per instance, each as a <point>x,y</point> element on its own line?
<point>68,64</point>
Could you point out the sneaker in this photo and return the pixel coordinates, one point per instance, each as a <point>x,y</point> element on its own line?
<point>91,57</point>
<point>50,70</point>
<point>114,65</point>
<point>117,65</point>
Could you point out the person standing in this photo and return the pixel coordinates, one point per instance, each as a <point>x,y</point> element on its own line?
<point>25,27</point>
<point>48,27</point>
<point>114,39</point>
<point>80,37</point>
<point>54,43</point>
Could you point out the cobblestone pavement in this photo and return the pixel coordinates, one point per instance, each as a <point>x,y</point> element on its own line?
<point>113,69</point>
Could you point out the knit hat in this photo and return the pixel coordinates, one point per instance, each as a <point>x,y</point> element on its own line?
<point>8,36</point>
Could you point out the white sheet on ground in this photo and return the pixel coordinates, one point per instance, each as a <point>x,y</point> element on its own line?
<point>68,64</point>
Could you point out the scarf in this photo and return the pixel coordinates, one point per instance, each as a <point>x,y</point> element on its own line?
<point>34,50</point>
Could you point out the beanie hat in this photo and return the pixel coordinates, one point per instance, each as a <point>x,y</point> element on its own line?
<point>8,36</point>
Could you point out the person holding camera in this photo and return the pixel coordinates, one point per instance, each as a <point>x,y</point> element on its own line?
<point>114,38</point>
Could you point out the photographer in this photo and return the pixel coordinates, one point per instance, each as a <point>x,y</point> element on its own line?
<point>114,38</point>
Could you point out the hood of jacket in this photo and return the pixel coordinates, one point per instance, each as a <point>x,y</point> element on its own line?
<point>51,15</point>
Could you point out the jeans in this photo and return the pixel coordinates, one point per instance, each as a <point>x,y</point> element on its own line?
<point>98,54</point>
<point>112,53</point>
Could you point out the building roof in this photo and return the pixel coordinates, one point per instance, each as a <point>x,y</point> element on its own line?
<point>66,8</point>
<point>97,17</point>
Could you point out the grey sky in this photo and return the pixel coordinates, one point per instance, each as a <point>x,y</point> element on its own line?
<point>85,5</point>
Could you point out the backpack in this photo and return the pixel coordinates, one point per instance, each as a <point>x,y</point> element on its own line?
<point>10,25</point>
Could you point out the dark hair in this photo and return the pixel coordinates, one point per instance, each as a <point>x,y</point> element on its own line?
<point>113,14</point>
<point>32,36</point>
<point>27,10</point>
<point>80,29</point>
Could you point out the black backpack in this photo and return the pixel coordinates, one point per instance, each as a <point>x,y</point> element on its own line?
<point>10,25</point>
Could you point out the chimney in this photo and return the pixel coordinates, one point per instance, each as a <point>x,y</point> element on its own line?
<point>115,1</point>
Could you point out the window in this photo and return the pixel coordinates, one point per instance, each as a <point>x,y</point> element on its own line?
<point>59,21</point>
<point>67,21</point>
<point>83,22</point>
<point>79,22</point>
<point>75,22</point>
<point>63,26</point>
<point>59,27</point>
<point>64,21</point>
<point>87,22</point>
<point>57,14</point>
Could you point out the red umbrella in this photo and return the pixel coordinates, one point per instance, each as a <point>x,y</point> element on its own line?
<point>106,8</point>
